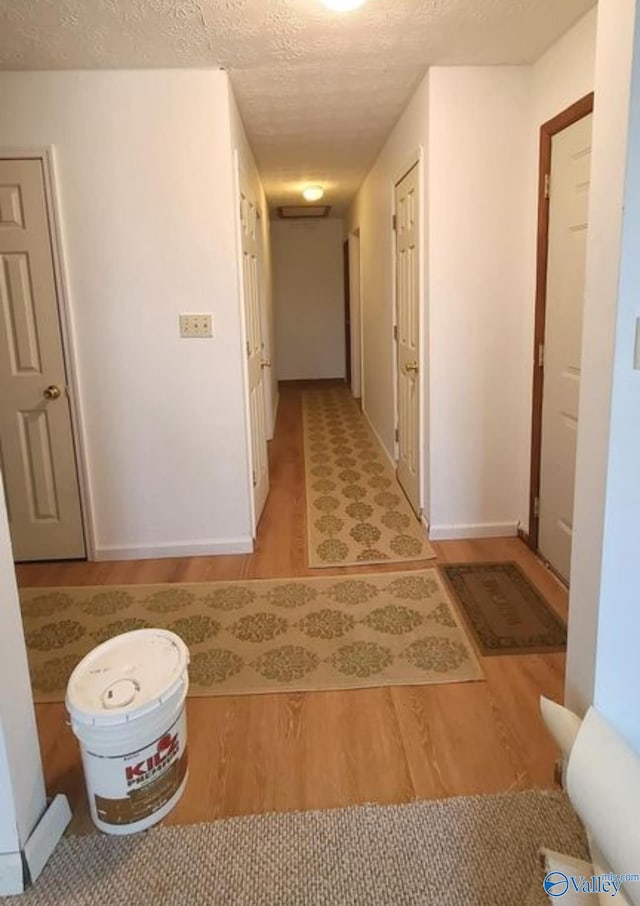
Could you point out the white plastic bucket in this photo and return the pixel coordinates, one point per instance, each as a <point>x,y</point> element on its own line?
<point>126,701</point>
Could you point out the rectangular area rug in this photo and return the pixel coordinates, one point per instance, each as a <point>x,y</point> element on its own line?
<point>263,635</point>
<point>356,510</point>
<point>504,610</point>
<point>465,851</point>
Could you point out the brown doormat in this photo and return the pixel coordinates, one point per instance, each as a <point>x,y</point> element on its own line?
<point>504,610</point>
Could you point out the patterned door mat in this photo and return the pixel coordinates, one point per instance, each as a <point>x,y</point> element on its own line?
<point>356,510</point>
<point>504,610</point>
<point>263,635</point>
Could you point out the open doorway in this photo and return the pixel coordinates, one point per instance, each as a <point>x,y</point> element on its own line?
<point>565,159</point>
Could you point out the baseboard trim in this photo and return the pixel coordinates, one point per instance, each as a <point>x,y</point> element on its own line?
<point>477,530</point>
<point>19,869</point>
<point>390,458</point>
<point>211,548</point>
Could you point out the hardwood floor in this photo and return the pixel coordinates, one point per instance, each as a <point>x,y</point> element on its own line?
<point>278,752</point>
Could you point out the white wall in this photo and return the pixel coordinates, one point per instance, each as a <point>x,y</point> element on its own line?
<point>477,230</point>
<point>22,794</point>
<point>617,692</point>
<point>308,286</point>
<point>603,612</point>
<point>145,180</point>
<point>251,185</point>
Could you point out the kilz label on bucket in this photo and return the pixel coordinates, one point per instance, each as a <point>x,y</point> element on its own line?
<point>138,785</point>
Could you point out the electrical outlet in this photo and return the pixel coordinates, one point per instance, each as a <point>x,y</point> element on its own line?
<point>196,325</point>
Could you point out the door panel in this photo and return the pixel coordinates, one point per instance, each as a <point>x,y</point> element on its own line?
<point>408,337</point>
<point>568,221</point>
<point>255,362</point>
<point>37,454</point>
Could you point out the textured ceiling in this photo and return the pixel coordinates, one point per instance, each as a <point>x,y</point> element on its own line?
<point>319,91</point>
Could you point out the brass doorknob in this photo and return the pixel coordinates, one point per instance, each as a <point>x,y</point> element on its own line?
<point>411,367</point>
<point>265,363</point>
<point>52,392</point>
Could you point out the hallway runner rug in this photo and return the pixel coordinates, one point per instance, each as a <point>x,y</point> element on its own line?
<point>263,635</point>
<point>471,850</point>
<point>356,510</point>
<point>506,613</point>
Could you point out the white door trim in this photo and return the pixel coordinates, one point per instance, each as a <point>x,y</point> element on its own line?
<point>47,156</point>
<point>355,304</point>
<point>416,158</point>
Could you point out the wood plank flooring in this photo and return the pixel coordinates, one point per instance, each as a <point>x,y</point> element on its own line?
<point>278,752</point>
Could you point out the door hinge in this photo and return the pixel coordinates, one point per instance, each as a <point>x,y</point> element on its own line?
<point>540,355</point>
<point>547,185</point>
<point>248,349</point>
<point>395,331</point>
<point>536,507</point>
<point>397,435</point>
<point>254,478</point>
<point>394,223</point>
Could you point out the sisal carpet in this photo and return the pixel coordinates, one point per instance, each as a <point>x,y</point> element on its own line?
<point>356,510</point>
<point>506,613</point>
<point>470,851</point>
<point>264,635</point>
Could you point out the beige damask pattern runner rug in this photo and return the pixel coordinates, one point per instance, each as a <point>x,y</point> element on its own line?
<point>356,510</point>
<point>263,635</point>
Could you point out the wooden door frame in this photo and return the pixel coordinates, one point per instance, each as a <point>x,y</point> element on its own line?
<point>46,156</point>
<point>415,159</point>
<point>567,117</point>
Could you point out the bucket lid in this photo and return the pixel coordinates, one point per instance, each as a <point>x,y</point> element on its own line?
<point>126,677</point>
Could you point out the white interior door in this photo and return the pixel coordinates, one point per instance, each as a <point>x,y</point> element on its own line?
<point>568,219</point>
<point>408,335</point>
<point>36,444</point>
<point>255,353</point>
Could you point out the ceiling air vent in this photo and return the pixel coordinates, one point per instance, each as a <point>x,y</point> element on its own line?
<point>296,211</point>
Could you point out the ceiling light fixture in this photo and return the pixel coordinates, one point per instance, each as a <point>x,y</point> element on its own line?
<point>313,193</point>
<point>343,6</point>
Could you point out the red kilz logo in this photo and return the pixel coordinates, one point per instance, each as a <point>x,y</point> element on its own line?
<point>167,747</point>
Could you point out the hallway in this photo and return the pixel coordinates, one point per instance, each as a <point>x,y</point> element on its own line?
<point>279,752</point>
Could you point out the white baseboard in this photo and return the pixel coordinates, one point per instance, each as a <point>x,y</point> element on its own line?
<point>37,851</point>
<point>46,835</point>
<point>477,530</point>
<point>11,874</point>
<point>392,461</point>
<point>211,548</point>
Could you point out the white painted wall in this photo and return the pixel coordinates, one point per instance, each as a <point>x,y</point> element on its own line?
<point>308,286</point>
<point>252,186</point>
<point>371,213</point>
<point>145,180</point>
<point>617,691</point>
<point>22,794</point>
<point>477,231</point>
<point>603,612</point>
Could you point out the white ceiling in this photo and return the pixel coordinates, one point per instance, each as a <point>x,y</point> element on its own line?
<point>319,91</point>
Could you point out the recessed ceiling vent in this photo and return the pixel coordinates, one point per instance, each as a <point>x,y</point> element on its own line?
<point>298,211</point>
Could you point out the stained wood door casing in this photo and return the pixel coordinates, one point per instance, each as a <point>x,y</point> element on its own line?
<point>408,238</point>
<point>567,241</point>
<point>37,455</point>
<point>254,349</point>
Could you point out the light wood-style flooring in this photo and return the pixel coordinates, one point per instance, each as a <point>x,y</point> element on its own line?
<point>279,752</point>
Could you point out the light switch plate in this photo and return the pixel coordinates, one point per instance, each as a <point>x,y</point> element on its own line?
<point>196,325</point>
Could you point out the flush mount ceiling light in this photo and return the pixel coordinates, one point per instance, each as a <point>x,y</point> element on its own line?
<point>343,6</point>
<point>313,193</point>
